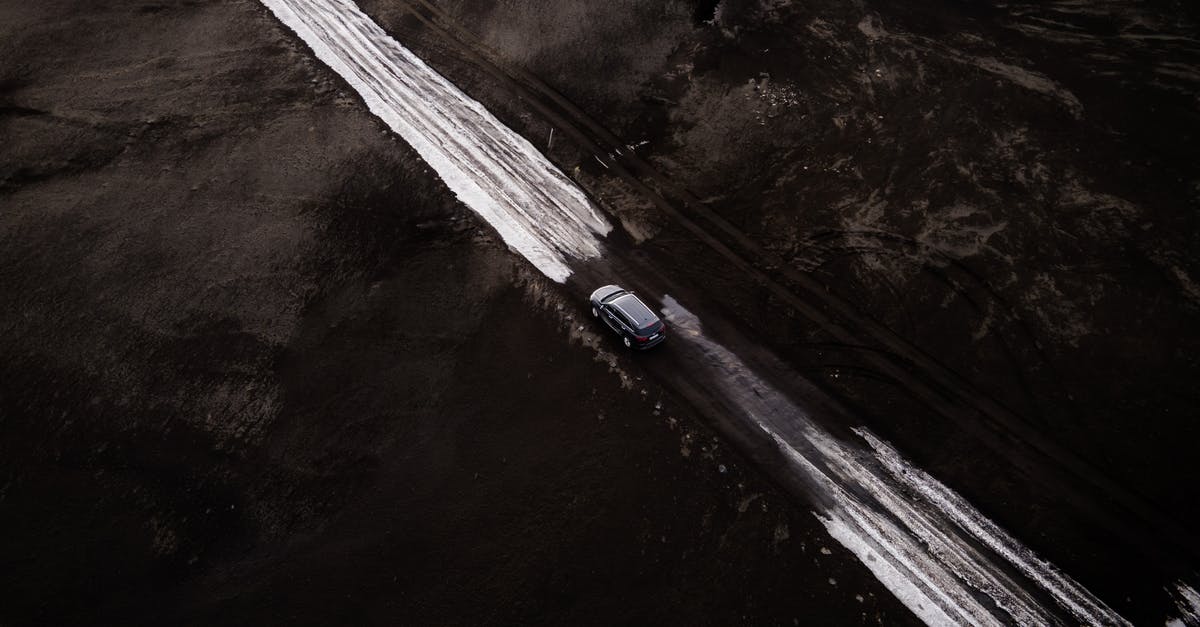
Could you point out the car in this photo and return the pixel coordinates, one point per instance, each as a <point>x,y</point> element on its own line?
<point>626,314</point>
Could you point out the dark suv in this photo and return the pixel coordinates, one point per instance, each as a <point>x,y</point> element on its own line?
<point>628,316</point>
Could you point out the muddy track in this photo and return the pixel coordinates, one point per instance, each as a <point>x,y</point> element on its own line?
<point>938,387</point>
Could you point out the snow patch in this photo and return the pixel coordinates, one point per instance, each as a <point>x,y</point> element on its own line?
<point>1187,601</point>
<point>1069,594</point>
<point>536,209</point>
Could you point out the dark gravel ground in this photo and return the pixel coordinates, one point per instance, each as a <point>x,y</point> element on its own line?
<point>258,366</point>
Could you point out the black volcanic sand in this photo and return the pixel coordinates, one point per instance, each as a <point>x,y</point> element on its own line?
<point>259,366</point>
<point>1012,189</point>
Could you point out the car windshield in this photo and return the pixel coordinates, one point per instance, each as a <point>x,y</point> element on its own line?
<point>613,295</point>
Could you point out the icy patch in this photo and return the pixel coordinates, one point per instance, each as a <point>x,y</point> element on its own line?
<point>537,210</point>
<point>936,553</point>
<point>1069,594</point>
<point>1187,601</point>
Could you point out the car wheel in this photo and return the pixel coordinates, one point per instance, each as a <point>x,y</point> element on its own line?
<point>595,314</point>
<point>628,344</point>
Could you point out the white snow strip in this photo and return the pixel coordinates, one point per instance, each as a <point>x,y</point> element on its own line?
<point>536,209</point>
<point>899,583</point>
<point>1073,597</point>
<point>935,552</point>
<point>888,553</point>
<point>1187,601</point>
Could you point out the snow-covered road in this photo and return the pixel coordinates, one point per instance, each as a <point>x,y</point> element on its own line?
<point>536,210</point>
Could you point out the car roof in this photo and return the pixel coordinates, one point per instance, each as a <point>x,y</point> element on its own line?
<point>637,311</point>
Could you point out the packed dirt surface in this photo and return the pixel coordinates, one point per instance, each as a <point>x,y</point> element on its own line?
<point>260,365</point>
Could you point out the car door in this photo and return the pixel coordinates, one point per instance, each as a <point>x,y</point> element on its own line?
<point>622,324</point>
<point>610,317</point>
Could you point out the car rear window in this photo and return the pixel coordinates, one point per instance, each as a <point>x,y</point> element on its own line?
<point>651,329</point>
<point>636,311</point>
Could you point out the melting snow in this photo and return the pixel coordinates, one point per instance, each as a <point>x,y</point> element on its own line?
<point>1187,601</point>
<point>537,210</point>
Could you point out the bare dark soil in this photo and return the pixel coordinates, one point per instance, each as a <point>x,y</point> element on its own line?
<point>259,366</point>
